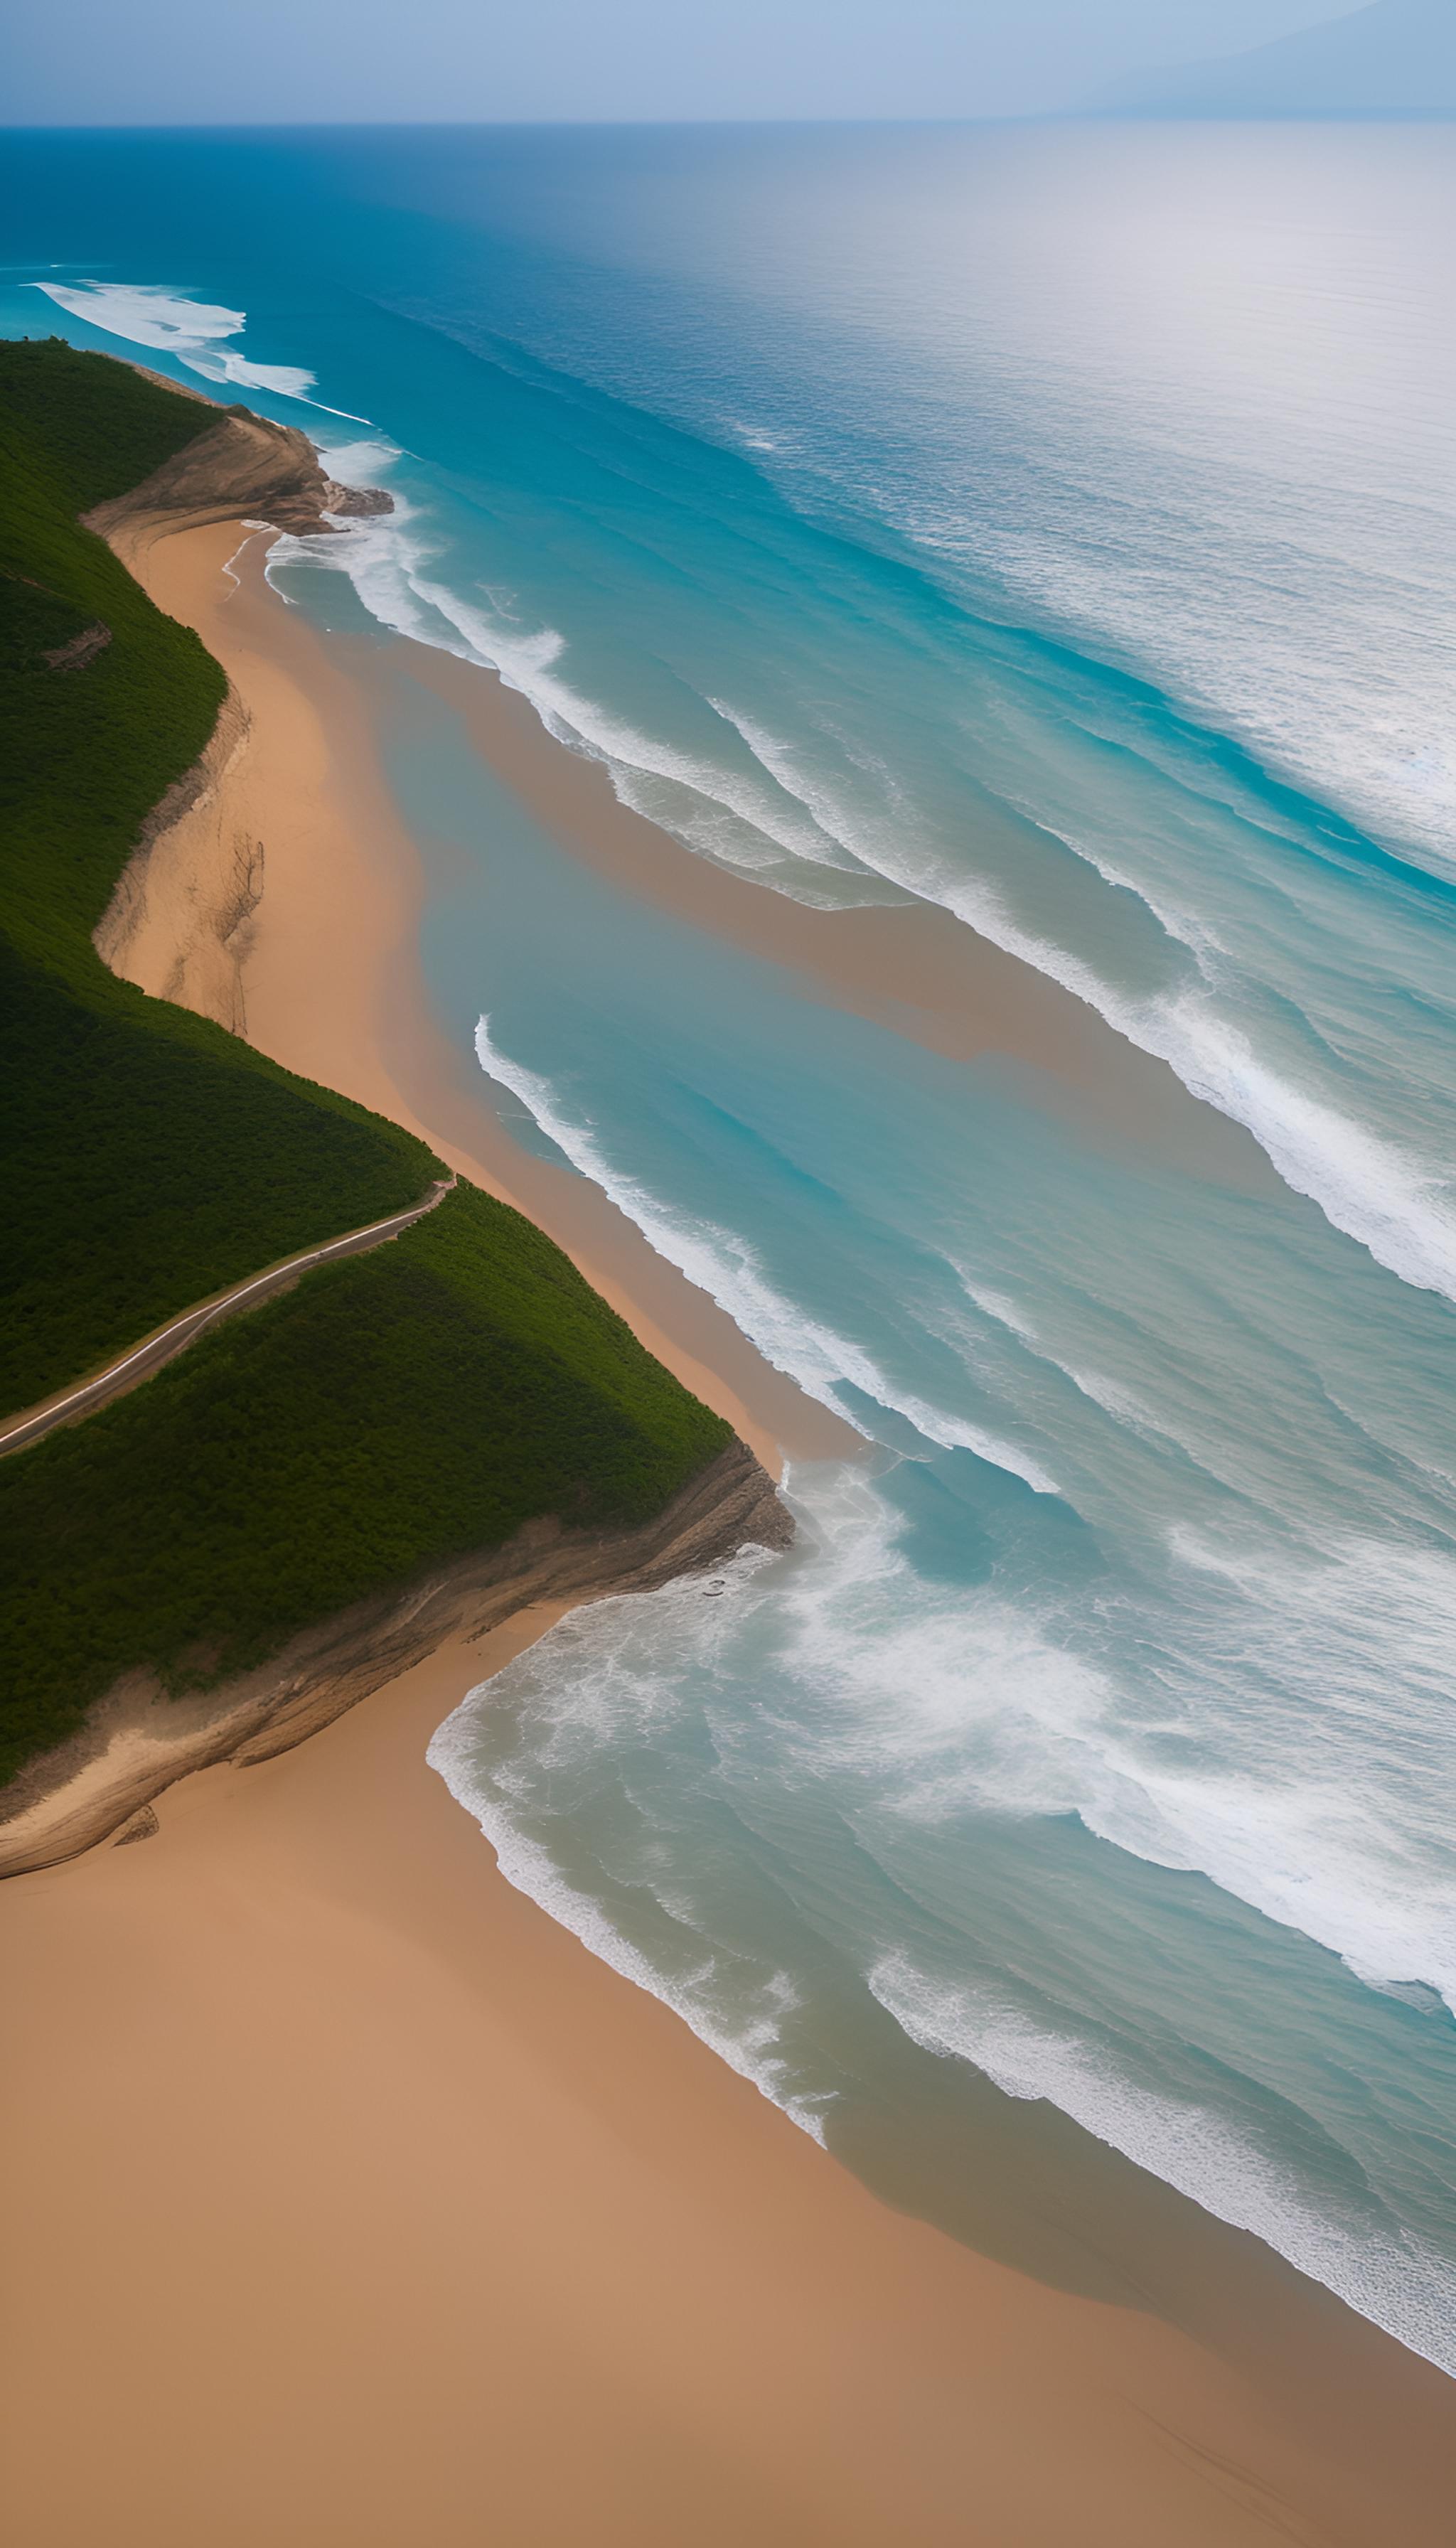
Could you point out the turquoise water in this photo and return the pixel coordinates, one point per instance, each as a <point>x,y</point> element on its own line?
<point>1056,525</point>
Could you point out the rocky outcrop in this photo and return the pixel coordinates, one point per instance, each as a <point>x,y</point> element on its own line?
<point>137,1740</point>
<point>244,466</point>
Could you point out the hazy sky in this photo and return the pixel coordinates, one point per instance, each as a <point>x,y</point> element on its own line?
<point>266,61</point>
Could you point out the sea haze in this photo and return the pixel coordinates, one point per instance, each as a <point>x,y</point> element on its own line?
<point>1053,525</point>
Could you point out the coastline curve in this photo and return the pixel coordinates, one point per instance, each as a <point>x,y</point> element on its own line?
<point>139,1740</point>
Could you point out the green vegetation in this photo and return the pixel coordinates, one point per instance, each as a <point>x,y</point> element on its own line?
<point>395,1409</point>
<point>148,1157</point>
<point>101,426</point>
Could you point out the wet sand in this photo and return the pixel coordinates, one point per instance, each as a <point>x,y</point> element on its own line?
<point>331,982</point>
<point>352,2204</point>
<point>910,965</point>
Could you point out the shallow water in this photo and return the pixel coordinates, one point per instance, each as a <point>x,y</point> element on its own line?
<point>1055,525</point>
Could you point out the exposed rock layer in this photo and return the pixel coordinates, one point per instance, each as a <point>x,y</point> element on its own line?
<point>244,466</point>
<point>137,1740</point>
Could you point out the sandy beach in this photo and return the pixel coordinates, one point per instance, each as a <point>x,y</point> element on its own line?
<point>350,2203</point>
<point>359,2207</point>
<point>330,981</point>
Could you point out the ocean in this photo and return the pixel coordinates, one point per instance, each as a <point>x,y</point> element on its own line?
<point>1052,524</point>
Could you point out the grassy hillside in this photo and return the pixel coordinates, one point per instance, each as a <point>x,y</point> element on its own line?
<point>158,1158</point>
<point>102,428</point>
<point>395,1409</point>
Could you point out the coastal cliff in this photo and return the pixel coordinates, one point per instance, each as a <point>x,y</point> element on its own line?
<point>180,922</point>
<point>138,1741</point>
<point>394,1450</point>
<point>244,466</point>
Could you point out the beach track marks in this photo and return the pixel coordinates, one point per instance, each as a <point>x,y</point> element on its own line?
<point>68,1406</point>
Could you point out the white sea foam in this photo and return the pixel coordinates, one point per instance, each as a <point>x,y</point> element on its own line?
<point>749,2043</point>
<point>754,437</point>
<point>1389,1202</point>
<point>1347,1836</point>
<point>959,1697</point>
<point>747,821</point>
<point>360,462</point>
<point>954,1696</point>
<point>785,767</point>
<point>772,822</point>
<point>723,1265</point>
<point>1178,923</point>
<point>1401,2284</point>
<point>194,332</point>
<point>1368,1187</point>
<point>891,1701</point>
<point>936,1696</point>
<point>378,554</point>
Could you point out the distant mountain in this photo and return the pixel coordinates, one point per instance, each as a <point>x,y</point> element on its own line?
<point>1397,57</point>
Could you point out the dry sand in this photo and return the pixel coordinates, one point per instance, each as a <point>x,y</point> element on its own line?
<point>331,982</point>
<point>351,2205</point>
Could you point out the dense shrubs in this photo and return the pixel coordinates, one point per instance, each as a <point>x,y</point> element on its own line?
<point>394,1409</point>
<point>148,1157</point>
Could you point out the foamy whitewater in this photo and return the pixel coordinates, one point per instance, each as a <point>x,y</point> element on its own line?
<point>1055,525</point>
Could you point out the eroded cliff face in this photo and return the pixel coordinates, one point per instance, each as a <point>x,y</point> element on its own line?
<point>181,922</point>
<point>138,1741</point>
<point>244,466</point>
<point>179,926</point>
<point>182,919</point>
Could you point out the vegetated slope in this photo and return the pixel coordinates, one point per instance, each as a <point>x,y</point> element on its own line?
<point>392,1412</point>
<point>149,1158</point>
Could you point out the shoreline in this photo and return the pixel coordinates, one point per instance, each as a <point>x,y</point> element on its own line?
<point>909,966</point>
<point>329,2138</point>
<point>104,1780</point>
<point>327,980</point>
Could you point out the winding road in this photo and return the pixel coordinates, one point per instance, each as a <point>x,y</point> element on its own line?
<point>70,1406</point>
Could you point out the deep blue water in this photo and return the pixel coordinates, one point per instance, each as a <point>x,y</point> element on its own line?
<point>1056,524</point>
